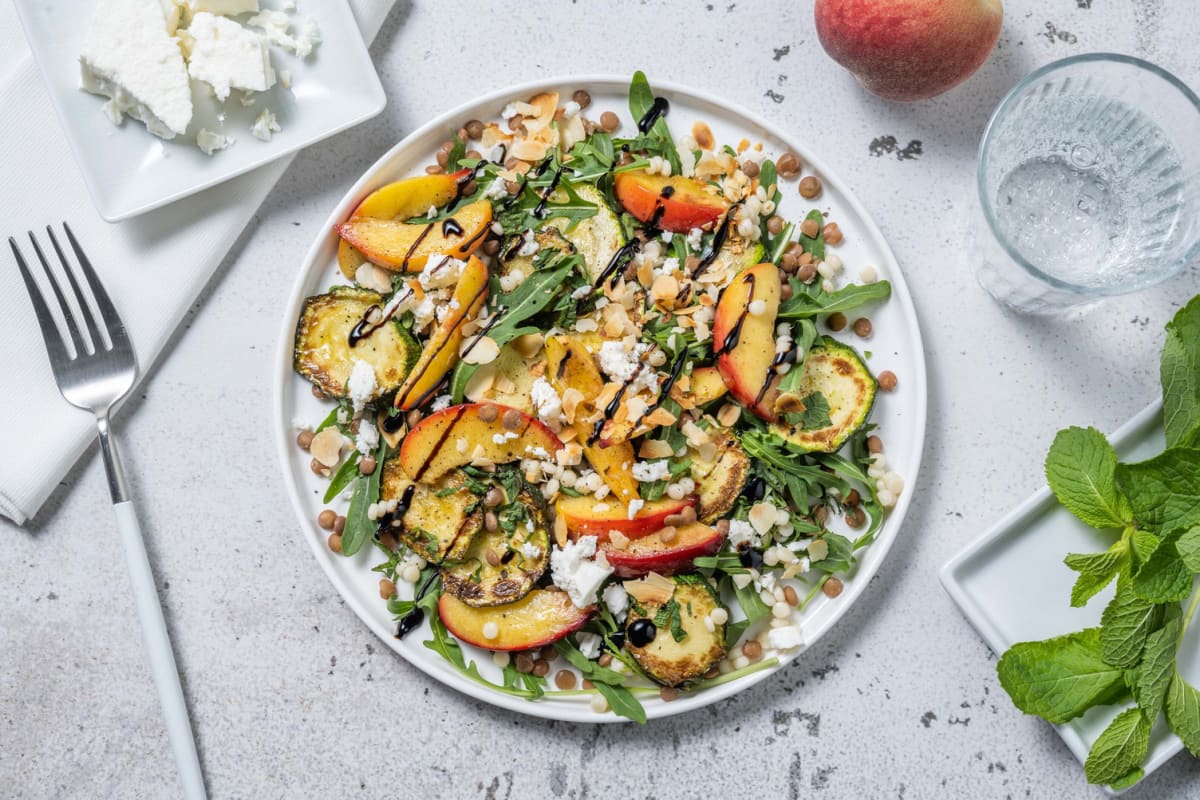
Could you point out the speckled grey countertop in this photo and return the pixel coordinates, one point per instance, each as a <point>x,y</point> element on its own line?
<point>293,697</point>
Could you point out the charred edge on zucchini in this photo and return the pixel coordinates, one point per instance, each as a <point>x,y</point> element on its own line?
<point>323,353</point>
<point>721,482</point>
<point>441,520</point>
<point>837,372</point>
<point>676,661</point>
<point>478,582</point>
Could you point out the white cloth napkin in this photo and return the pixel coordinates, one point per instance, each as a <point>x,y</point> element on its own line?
<point>41,436</point>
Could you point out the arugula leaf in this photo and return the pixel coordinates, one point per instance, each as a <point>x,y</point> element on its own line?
<point>1125,624</point>
<point>1120,749</point>
<point>517,307</point>
<point>1058,679</point>
<point>811,300</point>
<point>622,702</point>
<point>457,152</point>
<point>347,472</point>
<point>1080,468</point>
<point>1096,570</point>
<point>1180,375</point>
<point>359,527</point>
<point>641,97</point>
<point>1164,578</point>
<point>1157,668</point>
<point>1163,491</point>
<point>815,244</point>
<point>1183,712</point>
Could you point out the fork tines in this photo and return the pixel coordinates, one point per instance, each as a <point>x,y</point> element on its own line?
<point>86,333</point>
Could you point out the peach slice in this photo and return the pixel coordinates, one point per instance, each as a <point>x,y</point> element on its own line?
<point>459,435</point>
<point>539,618</point>
<point>651,554</point>
<point>686,203</point>
<point>745,340</point>
<point>583,519</point>
<point>402,247</point>
<point>401,200</point>
<point>705,384</point>
<point>570,366</point>
<point>440,353</point>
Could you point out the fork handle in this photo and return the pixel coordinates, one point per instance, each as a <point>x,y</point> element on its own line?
<point>158,649</point>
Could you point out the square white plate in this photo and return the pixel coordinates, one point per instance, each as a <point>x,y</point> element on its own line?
<point>1012,585</point>
<point>129,171</point>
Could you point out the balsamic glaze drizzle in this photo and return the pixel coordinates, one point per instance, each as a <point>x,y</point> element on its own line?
<point>450,227</point>
<point>731,338</point>
<point>718,241</point>
<point>413,618</point>
<point>657,109</point>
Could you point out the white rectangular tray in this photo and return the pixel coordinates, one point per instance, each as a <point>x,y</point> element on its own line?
<point>1012,585</point>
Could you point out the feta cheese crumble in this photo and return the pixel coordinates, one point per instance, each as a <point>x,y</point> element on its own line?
<point>210,142</point>
<point>648,471</point>
<point>575,571</point>
<point>589,644</point>
<point>361,385</point>
<point>265,125</point>
<point>226,56</point>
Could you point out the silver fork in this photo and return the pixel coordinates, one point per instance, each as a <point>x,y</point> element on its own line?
<point>95,367</point>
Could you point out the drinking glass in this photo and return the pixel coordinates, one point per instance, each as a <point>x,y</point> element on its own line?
<point>1089,184</point>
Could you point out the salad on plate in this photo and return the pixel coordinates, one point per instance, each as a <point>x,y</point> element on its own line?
<point>588,407</point>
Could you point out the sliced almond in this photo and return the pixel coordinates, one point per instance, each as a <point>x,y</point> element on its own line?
<point>529,345</point>
<point>818,549</point>
<point>653,588</point>
<point>570,132</point>
<point>664,289</point>
<point>788,403</point>
<point>327,446</point>
<point>762,517</point>
<point>505,385</point>
<point>707,452</point>
<point>480,385</point>
<point>618,539</point>
<point>538,368</point>
<point>527,150</point>
<point>659,416</point>
<point>703,135</point>
<point>655,448</point>
<point>372,277</point>
<point>493,135</point>
<point>728,414</point>
<point>479,350</point>
<point>560,530</point>
<point>571,399</point>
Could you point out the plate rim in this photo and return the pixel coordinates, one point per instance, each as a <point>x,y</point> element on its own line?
<point>1037,503</point>
<point>284,373</point>
<point>375,100</point>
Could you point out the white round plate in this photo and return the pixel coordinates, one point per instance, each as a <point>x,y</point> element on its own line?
<point>896,346</point>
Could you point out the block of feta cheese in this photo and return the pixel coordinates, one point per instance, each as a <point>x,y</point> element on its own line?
<point>131,58</point>
<point>222,7</point>
<point>227,56</point>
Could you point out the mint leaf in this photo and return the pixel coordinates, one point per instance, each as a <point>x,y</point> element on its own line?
<point>1181,393</point>
<point>1059,679</point>
<point>1079,469</point>
<point>816,412</point>
<point>1157,668</point>
<point>1163,578</point>
<point>1188,548</point>
<point>1142,546</point>
<point>1183,713</point>
<point>1179,371</point>
<point>1164,491</point>
<point>1120,750</point>
<point>1096,570</point>
<point>1121,784</point>
<point>1125,624</point>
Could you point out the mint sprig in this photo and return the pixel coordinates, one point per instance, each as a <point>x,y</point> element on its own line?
<point>1153,507</point>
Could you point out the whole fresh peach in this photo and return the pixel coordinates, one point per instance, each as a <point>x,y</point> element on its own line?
<point>909,49</point>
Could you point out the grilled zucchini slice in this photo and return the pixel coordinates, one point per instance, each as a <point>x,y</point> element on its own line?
<point>721,481</point>
<point>836,371</point>
<point>477,582</point>
<point>441,520</point>
<point>323,353</point>
<point>665,658</point>
<point>548,237</point>
<point>597,238</point>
